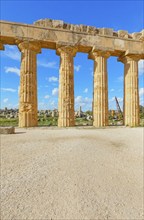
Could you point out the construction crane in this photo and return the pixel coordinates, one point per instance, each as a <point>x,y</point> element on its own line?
<point>118,108</point>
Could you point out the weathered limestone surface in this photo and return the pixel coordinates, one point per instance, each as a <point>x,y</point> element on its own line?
<point>131,91</point>
<point>49,23</point>
<point>67,39</point>
<point>28,85</point>
<point>66,86</point>
<point>7,130</point>
<point>82,36</point>
<point>100,97</point>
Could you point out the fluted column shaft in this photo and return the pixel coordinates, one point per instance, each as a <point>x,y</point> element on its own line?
<point>66,86</point>
<point>100,93</point>
<point>131,91</point>
<point>28,85</point>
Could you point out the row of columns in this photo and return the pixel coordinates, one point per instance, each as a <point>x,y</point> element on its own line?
<point>28,86</point>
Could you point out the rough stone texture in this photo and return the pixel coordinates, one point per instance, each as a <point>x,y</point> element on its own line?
<point>7,130</point>
<point>106,31</point>
<point>84,37</point>
<point>131,91</point>
<point>123,34</point>
<point>66,86</point>
<point>28,85</point>
<point>100,97</point>
<point>136,36</point>
<point>49,23</point>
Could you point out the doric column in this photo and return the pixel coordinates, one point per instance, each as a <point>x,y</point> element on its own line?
<point>100,93</point>
<point>66,86</point>
<point>28,84</point>
<point>131,91</point>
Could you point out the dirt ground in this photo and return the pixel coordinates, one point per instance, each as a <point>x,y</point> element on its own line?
<point>75,173</point>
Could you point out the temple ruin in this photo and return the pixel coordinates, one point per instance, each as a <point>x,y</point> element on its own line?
<point>67,40</point>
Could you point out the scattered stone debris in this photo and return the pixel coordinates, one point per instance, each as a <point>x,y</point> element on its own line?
<point>7,130</point>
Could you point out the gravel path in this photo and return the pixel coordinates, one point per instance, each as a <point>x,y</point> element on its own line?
<point>51,173</point>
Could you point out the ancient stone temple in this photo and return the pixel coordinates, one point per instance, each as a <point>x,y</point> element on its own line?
<point>67,40</point>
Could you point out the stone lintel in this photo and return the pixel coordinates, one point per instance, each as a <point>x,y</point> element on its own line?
<point>63,43</point>
<point>30,45</point>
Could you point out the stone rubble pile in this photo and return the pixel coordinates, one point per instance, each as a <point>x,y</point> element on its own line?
<point>49,23</point>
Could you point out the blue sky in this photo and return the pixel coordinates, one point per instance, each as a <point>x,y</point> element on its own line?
<point>119,15</point>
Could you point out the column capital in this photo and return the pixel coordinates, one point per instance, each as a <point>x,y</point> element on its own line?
<point>34,46</point>
<point>98,53</point>
<point>124,58</point>
<point>71,50</point>
<point>1,46</point>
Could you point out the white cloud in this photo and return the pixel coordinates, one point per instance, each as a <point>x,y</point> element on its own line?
<point>112,90</point>
<point>8,89</point>
<point>112,99</point>
<point>81,99</point>
<point>118,98</point>
<point>18,90</point>
<point>77,68</point>
<point>46,96</point>
<point>12,52</point>
<point>55,91</point>
<point>112,102</point>
<point>120,78</point>
<point>53,79</point>
<point>86,90</point>
<point>52,65</point>
<point>12,70</point>
<point>84,102</point>
<point>5,100</point>
<point>41,103</point>
<point>141,91</point>
<point>52,103</point>
<point>78,99</point>
<point>141,67</point>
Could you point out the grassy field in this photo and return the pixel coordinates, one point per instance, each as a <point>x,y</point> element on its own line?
<point>41,122</point>
<point>8,122</point>
<point>50,121</point>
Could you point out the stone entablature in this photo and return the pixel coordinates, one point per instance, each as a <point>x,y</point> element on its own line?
<point>59,24</point>
<point>49,37</point>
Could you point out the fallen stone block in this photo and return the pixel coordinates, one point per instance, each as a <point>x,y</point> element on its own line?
<point>7,130</point>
